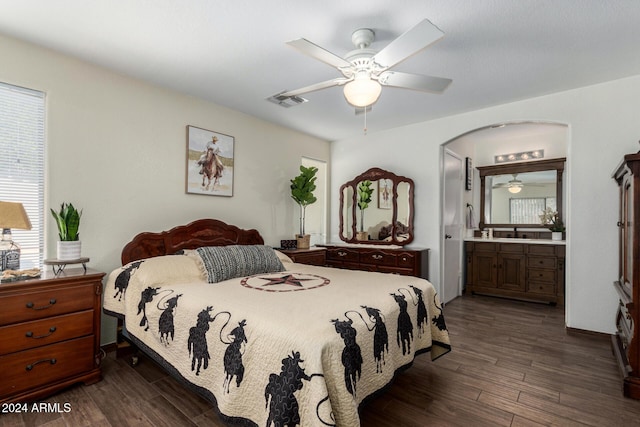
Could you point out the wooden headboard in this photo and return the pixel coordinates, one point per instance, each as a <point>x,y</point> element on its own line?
<point>202,232</point>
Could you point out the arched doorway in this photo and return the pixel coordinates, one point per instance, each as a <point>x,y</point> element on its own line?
<point>481,146</point>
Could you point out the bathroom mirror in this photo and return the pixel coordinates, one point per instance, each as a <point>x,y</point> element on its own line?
<point>388,216</point>
<point>516,194</point>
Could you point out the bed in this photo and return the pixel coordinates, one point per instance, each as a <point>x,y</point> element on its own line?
<point>266,340</point>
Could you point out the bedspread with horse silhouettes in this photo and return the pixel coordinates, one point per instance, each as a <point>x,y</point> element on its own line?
<point>302,346</point>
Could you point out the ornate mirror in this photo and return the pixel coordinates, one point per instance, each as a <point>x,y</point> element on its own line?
<point>376,207</point>
<point>516,194</point>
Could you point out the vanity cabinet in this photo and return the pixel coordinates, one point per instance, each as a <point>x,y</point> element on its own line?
<point>528,271</point>
<point>408,262</point>
<point>626,340</point>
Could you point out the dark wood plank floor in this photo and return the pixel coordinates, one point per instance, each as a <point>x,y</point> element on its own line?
<point>512,364</point>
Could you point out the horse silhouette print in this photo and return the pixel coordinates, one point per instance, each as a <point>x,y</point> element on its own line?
<point>405,327</point>
<point>165,324</point>
<point>146,296</point>
<point>233,356</point>
<point>279,398</point>
<point>351,354</point>
<point>423,316</point>
<point>122,280</point>
<point>197,343</point>
<point>380,336</point>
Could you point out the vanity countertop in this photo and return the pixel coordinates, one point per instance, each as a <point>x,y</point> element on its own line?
<point>517,240</point>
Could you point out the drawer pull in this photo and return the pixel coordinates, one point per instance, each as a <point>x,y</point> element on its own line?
<point>30,367</point>
<point>342,254</point>
<point>30,334</point>
<point>32,306</point>
<point>376,256</point>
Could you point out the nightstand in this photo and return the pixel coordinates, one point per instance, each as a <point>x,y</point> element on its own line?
<point>311,256</point>
<point>49,333</point>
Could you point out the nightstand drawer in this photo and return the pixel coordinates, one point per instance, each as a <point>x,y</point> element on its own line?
<point>33,368</point>
<point>45,303</point>
<point>26,335</point>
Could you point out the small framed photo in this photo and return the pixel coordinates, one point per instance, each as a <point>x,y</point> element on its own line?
<point>209,162</point>
<point>385,193</point>
<point>468,185</point>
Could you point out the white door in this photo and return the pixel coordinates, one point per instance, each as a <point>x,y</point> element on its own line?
<point>452,226</point>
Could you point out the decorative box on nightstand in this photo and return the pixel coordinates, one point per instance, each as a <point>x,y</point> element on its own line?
<point>49,333</point>
<point>311,256</point>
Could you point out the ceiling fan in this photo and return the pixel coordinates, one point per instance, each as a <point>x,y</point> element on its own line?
<point>514,185</point>
<point>364,71</point>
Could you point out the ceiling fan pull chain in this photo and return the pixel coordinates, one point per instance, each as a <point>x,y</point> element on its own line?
<point>365,120</point>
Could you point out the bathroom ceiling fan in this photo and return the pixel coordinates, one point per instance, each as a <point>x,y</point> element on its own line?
<point>364,71</point>
<point>514,185</point>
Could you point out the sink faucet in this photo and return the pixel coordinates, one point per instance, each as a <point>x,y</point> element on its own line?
<point>515,232</point>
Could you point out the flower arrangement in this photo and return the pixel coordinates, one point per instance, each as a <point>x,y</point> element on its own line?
<point>552,220</point>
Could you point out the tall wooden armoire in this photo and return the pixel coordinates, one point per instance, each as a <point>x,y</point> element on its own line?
<point>626,341</point>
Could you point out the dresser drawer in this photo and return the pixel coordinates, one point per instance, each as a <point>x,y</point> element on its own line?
<point>36,333</point>
<point>395,270</point>
<point>33,368</point>
<point>542,275</point>
<point>343,254</point>
<point>45,303</point>
<point>377,257</point>
<point>542,262</point>
<point>406,260</point>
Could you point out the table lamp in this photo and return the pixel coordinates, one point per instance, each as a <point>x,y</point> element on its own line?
<point>12,215</point>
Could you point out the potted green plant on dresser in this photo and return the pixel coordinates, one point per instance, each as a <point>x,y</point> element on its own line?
<point>364,198</point>
<point>302,188</point>
<point>68,222</point>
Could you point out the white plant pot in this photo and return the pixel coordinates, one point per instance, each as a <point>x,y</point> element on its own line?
<point>556,235</point>
<point>68,251</point>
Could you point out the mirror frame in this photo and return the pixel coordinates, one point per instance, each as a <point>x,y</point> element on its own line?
<point>509,169</point>
<point>375,174</point>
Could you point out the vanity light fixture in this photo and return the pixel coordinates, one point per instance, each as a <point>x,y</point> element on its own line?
<point>514,157</point>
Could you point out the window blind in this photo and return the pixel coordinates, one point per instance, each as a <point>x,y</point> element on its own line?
<point>22,121</point>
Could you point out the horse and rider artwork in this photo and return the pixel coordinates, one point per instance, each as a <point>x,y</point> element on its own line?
<point>209,162</point>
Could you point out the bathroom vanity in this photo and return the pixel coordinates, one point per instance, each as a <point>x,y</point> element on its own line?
<point>525,269</point>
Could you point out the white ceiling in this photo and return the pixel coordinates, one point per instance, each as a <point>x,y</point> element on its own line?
<point>233,53</point>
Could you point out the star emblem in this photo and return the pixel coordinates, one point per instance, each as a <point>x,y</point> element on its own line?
<point>288,279</point>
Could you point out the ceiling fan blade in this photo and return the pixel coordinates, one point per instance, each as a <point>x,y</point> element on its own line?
<point>411,42</point>
<point>319,53</point>
<point>318,86</point>
<point>414,81</point>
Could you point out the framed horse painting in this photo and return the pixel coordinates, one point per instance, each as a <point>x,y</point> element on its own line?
<point>209,162</point>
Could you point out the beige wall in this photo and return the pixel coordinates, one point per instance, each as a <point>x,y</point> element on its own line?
<point>116,148</point>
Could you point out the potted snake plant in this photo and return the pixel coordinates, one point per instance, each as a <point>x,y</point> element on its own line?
<point>302,188</point>
<point>68,223</point>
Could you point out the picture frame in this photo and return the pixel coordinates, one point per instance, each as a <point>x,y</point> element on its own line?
<point>210,161</point>
<point>385,193</point>
<point>468,185</point>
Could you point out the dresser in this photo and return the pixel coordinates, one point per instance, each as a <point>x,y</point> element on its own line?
<point>515,269</point>
<point>49,334</point>
<point>626,341</point>
<point>311,256</point>
<point>405,261</point>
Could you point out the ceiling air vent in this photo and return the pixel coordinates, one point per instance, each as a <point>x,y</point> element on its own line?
<point>287,101</point>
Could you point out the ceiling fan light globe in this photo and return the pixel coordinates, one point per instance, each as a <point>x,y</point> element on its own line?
<point>515,189</point>
<point>362,92</point>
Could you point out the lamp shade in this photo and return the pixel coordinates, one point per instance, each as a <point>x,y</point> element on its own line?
<point>13,215</point>
<point>362,91</point>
